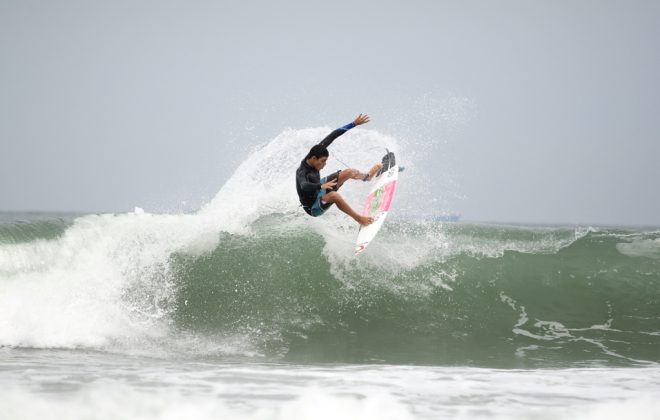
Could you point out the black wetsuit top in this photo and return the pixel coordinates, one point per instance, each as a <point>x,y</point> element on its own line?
<point>308,179</point>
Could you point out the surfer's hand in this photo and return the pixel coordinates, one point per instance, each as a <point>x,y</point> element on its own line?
<point>361,119</point>
<point>329,185</point>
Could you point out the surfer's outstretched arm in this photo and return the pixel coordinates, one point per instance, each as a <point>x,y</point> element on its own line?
<point>361,119</point>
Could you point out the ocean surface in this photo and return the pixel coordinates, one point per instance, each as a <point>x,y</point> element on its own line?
<point>249,309</point>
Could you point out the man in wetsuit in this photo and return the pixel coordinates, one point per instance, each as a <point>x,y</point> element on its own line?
<point>318,194</point>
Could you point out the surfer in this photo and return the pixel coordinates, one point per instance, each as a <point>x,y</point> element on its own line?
<point>318,194</point>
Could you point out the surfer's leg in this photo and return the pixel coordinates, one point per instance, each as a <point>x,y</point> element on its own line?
<point>335,198</point>
<point>347,174</point>
<point>353,173</point>
<point>373,171</point>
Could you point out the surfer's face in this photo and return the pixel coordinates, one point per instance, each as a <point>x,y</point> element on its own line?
<point>318,163</point>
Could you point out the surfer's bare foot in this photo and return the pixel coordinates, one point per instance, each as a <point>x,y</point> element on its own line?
<point>374,170</point>
<point>364,220</point>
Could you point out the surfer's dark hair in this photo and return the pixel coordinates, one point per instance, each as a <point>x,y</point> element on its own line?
<point>318,151</point>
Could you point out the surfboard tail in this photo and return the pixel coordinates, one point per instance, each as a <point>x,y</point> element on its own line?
<point>388,161</point>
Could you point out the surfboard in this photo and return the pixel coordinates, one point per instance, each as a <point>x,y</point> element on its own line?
<point>378,201</point>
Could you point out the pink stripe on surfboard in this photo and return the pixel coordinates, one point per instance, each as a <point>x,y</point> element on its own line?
<point>385,199</point>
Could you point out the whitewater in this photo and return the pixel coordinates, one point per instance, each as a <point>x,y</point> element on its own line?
<point>250,309</point>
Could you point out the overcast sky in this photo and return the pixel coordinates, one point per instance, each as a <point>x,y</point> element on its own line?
<point>527,111</point>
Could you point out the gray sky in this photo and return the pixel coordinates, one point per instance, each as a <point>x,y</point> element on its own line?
<point>527,111</point>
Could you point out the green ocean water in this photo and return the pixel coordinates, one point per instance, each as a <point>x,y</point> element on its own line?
<point>426,293</point>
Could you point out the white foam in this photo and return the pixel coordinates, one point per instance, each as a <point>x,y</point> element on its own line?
<point>240,391</point>
<point>649,248</point>
<point>106,279</point>
<point>643,408</point>
<point>120,402</point>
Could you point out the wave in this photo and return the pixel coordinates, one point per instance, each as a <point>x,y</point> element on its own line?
<point>249,275</point>
<point>469,298</point>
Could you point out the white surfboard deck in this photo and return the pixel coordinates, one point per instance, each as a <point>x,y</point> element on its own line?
<point>377,206</point>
